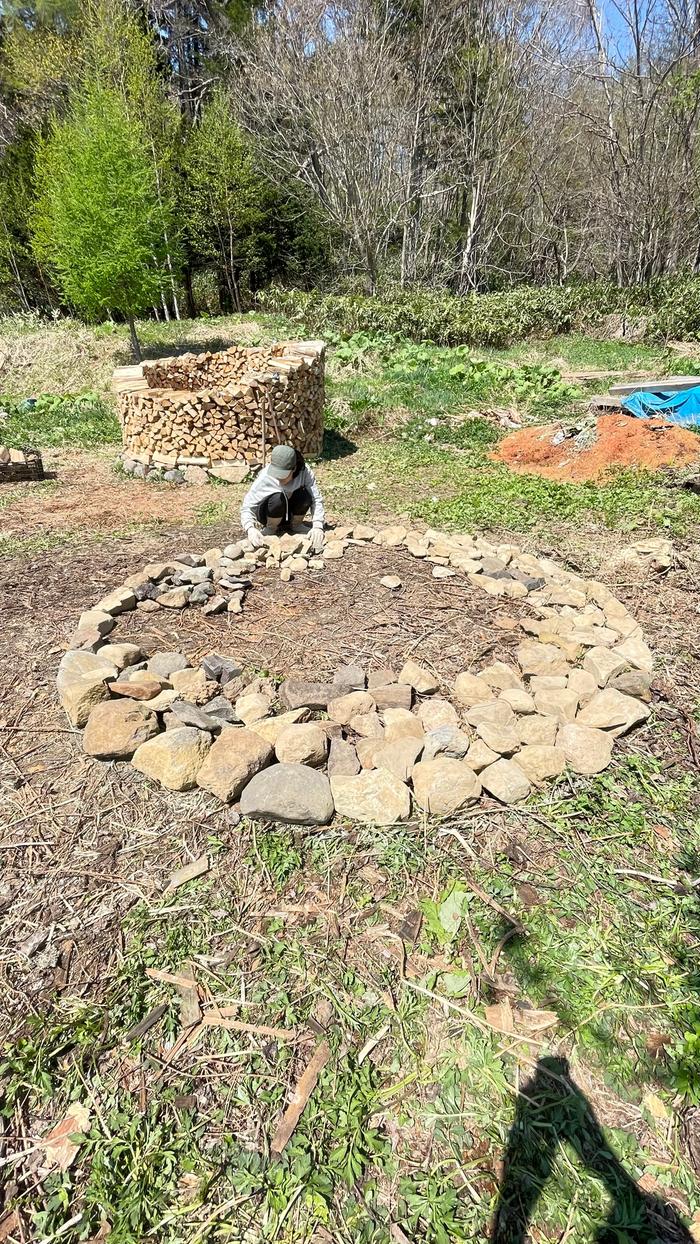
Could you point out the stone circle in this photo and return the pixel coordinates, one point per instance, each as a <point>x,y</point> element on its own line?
<point>368,747</point>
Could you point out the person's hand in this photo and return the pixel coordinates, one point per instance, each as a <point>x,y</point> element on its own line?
<point>316,539</point>
<point>256,537</point>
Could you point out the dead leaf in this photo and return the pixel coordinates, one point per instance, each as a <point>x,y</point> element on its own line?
<point>648,1183</point>
<point>536,1021</point>
<point>60,1150</point>
<point>655,1107</point>
<point>9,1223</point>
<point>528,895</point>
<point>188,873</point>
<point>505,622</point>
<point>500,1016</point>
<point>656,1042</point>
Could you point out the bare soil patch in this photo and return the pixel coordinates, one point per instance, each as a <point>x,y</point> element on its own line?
<point>620,442</point>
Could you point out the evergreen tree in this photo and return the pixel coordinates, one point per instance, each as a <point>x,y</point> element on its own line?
<point>98,221</point>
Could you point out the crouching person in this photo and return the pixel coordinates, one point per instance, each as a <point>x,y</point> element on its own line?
<point>281,497</point>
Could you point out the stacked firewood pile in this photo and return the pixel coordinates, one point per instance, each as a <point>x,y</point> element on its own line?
<point>231,406</point>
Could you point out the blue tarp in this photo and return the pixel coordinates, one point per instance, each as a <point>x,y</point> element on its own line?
<point>682,408</point>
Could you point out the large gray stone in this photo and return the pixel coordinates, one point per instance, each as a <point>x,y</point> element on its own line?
<point>235,758</point>
<point>163,664</point>
<point>300,693</point>
<point>294,794</point>
<point>343,760</point>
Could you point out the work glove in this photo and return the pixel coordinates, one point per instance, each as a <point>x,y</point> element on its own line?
<point>256,537</point>
<point>316,539</point>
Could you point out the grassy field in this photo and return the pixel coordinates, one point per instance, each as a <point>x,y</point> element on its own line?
<point>510,1001</point>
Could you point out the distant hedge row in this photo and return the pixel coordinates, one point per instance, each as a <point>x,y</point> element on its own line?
<point>671,310</point>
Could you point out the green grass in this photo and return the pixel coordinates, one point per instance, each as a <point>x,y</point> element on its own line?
<point>49,421</point>
<point>424,1119</point>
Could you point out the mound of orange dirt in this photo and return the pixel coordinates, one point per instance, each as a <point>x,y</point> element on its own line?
<point>620,441</point>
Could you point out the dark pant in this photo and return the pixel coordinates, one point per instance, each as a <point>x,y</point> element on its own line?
<point>286,508</point>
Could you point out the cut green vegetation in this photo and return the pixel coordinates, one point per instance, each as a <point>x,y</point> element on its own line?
<point>47,421</point>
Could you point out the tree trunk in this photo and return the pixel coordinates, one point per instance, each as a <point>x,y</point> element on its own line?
<point>190,304</point>
<point>135,344</point>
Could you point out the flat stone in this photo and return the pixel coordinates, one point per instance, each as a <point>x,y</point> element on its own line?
<point>391,537</point>
<point>160,702</point>
<point>124,655</point>
<point>354,704</point>
<point>391,581</point>
<point>548,682</point>
<point>139,686</point>
<point>343,760</point>
<point>82,682</point>
<point>496,713</point>
<point>116,728</point>
<point>193,685</point>
<point>636,653</point>
<point>586,749</point>
<point>443,572</point>
<point>398,757</point>
<point>333,550</point>
<point>189,559</point>
<point>173,758</point>
<point>400,724</point>
<point>191,715</point>
<point>230,472</point>
<point>537,658</point>
<point>501,739</point>
<point>492,565</point>
<point>293,794</point>
<point>506,781</point>
<point>612,710</point>
<point>443,786</point>
<point>603,664</point>
<point>88,638</point>
<point>252,708</point>
<point>493,587</point>
<point>96,620</point>
<point>501,676</point>
<point>222,709</point>
<point>367,750</point>
<point>163,664</point>
<point>270,728</point>
<point>393,695</point>
<point>478,756</point>
<point>302,744</point>
<point>216,604</point>
<point>583,684</point>
<point>176,598</point>
<point>351,677</point>
<point>194,575</point>
<point>471,689</point>
<point>202,593</point>
<point>537,730</point>
<point>361,531</point>
<point>373,797</point>
<point>235,757</point>
<point>212,557</point>
<point>560,704</point>
<point>538,762</point>
<point>446,741</point>
<point>148,606</point>
<point>633,682</point>
<point>119,601</point>
<point>299,693</point>
<point>380,678</point>
<point>367,725</point>
<point>435,713</point>
<point>519,701</point>
<point>419,678</point>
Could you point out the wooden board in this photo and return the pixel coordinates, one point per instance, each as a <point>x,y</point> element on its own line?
<point>667,384</point>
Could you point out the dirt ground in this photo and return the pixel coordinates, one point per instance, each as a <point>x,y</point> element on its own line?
<point>620,442</point>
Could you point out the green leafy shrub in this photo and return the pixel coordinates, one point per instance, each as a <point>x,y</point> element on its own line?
<point>48,421</point>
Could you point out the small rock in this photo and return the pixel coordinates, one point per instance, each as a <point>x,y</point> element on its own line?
<point>470,689</point>
<point>496,713</point>
<point>193,560</point>
<point>173,758</point>
<point>443,786</point>
<point>119,601</point>
<point>162,701</point>
<point>235,758</point>
<point>96,620</point>
<point>305,744</point>
<point>536,658</point>
<point>519,701</point>
<point>222,709</point>
<point>354,704</point>
<point>604,664</point>
<point>233,551</point>
<point>148,606</point>
<point>559,704</point>
<point>235,603</point>
<point>501,677</point>
<point>196,475</point>
<point>548,682</point>
<point>270,728</point>
<point>351,677</point>
<point>367,726</point>
<point>194,575</point>
<point>191,715</point>
<point>435,713</point>
<point>163,664</point>
<point>391,537</point>
<point>139,686</point>
<point>443,572</point>
<point>505,781</point>
<point>446,741</point>
<point>366,751</point>
<point>88,638</point>
<point>537,730</point>
<point>612,710</point>
<point>115,729</point>
<point>201,593</point>
<point>333,550</point>
<point>294,794</point>
<point>299,693</point>
<point>230,472</point>
<point>419,678</point>
<point>587,750</point>
<point>539,762</point>
<point>380,678</point>
<point>478,756</point>
<point>343,760</point>
<point>636,653</point>
<point>82,683</point>
<point>373,797</point>
<point>252,708</point>
<point>400,724</point>
<point>584,685</point>
<point>176,598</point>
<point>393,695</point>
<point>217,604</point>
<point>501,739</point>
<point>391,581</point>
<point>363,532</point>
<point>398,757</point>
<point>220,669</point>
<point>193,685</point>
<point>633,682</point>
<point>173,476</point>
<point>124,655</point>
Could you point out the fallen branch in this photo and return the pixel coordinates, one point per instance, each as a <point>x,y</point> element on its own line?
<point>259,1030</point>
<point>304,1088</point>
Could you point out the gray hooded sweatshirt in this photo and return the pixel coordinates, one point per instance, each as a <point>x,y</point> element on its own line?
<point>265,485</point>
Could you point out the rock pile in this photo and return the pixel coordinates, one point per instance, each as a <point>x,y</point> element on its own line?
<point>216,414</point>
<point>368,745</point>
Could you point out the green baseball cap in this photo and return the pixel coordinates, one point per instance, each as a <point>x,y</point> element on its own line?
<point>283,459</point>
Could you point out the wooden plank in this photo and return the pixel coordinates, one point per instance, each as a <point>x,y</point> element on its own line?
<point>666,384</point>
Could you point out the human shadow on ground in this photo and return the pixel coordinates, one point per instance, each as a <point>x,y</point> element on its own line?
<point>552,1110</point>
